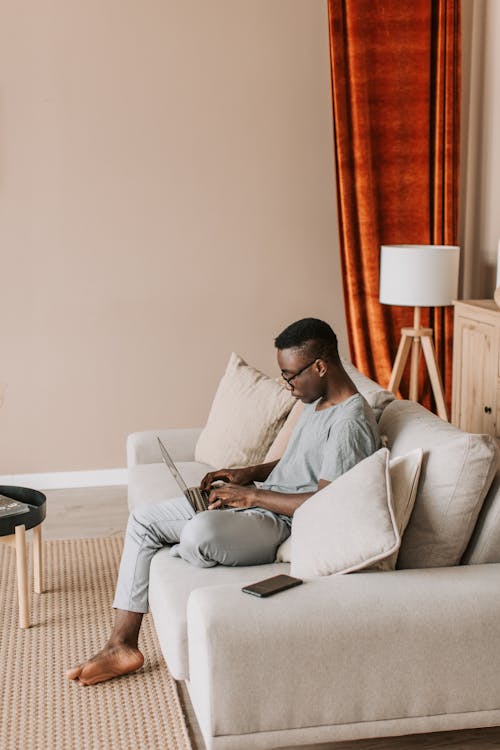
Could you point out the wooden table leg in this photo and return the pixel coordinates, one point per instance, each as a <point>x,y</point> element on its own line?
<point>38,559</point>
<point>22,577</point>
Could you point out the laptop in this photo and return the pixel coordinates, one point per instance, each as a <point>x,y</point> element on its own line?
<point>196,497</point>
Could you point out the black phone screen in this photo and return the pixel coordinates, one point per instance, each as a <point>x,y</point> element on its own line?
<point>272,585</point>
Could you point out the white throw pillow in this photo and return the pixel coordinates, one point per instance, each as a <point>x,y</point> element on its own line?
<point>348,525</point>
<point>246,414</point>
<point>405,473</point>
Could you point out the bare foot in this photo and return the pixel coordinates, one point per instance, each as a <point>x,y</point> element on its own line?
<point>112,661</point>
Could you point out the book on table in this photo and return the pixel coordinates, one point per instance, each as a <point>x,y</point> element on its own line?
<point>11,507</point>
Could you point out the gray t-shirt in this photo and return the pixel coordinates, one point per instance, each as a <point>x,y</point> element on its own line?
<point>324,445</point>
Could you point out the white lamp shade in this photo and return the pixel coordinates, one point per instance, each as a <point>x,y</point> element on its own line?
<point>419,275</point>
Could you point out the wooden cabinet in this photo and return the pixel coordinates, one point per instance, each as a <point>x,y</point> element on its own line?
<point>476,367</point>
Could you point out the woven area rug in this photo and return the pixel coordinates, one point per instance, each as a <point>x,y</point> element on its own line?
<point>40,708</point>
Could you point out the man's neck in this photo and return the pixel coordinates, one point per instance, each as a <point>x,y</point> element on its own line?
<point>339,387</point>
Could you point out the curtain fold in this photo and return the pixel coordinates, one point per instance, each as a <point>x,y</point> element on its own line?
<point>396,109</point>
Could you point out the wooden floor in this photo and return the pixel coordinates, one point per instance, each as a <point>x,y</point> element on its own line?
<point>87,512</point>
<point>102,511</point>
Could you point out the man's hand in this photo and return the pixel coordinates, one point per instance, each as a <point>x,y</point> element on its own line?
<point>234,476</point>
<point>232,496</point>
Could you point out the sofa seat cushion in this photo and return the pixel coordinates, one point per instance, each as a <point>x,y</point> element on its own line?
<point>457,471</point>
<point>371,646</point>
<point>149,483</point>
<point>170,584</point>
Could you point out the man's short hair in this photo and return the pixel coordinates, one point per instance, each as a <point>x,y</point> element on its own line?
<point>314,337</point>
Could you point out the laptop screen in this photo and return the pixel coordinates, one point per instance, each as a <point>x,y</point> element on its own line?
<point>175,473</point>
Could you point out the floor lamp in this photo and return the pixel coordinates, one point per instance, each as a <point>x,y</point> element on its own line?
<point>418,276</point>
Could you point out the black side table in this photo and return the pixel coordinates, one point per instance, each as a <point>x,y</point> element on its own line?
<point>13,532</point>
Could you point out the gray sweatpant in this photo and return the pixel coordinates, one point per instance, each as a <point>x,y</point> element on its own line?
<point>248,536</point>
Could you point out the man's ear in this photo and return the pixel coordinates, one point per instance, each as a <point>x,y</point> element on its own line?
<point>322,367</point>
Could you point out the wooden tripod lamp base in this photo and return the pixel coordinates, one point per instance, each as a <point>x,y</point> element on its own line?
<point>418,339</point>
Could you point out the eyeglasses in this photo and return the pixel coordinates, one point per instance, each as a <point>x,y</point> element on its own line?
<point>296,375</point>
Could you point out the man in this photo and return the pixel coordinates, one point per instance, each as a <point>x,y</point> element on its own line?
<point>336,430</point>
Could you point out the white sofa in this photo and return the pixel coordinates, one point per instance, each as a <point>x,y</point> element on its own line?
<point>341,657</point>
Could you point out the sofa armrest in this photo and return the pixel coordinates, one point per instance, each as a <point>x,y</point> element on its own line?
<point>142,447</point>
<point>344,649</point>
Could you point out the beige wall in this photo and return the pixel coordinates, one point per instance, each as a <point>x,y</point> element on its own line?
<point>480,196</point>
<point>149,150</point>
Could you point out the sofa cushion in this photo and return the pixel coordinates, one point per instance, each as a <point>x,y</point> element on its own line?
<point>349,524</point>
<point>484,546</point>
<point>457,471</point>
<point>246,414</point>
<point>284,551</point>
<point>149,483</point>
<point>171,582</point>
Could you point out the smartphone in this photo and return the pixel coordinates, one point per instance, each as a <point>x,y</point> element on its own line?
<point>270,586</point>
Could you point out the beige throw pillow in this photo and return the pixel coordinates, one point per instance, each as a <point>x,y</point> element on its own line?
<point>348,525</point>
<point>247,412</point>
<point>405,473</point>
<point>484,545</point>
<point>280,443</point>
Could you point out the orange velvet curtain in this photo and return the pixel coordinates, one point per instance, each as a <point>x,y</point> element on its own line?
<point>396,105</point>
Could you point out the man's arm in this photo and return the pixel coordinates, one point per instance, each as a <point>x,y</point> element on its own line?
<point>245,475</point>
<point>235,496</point>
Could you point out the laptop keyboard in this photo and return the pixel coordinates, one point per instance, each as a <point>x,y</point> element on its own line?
<point>198,498</point>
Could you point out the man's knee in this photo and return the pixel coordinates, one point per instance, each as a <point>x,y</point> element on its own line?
<point>204,528</point>
<point>204,539</point>
<point>224,537</point>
